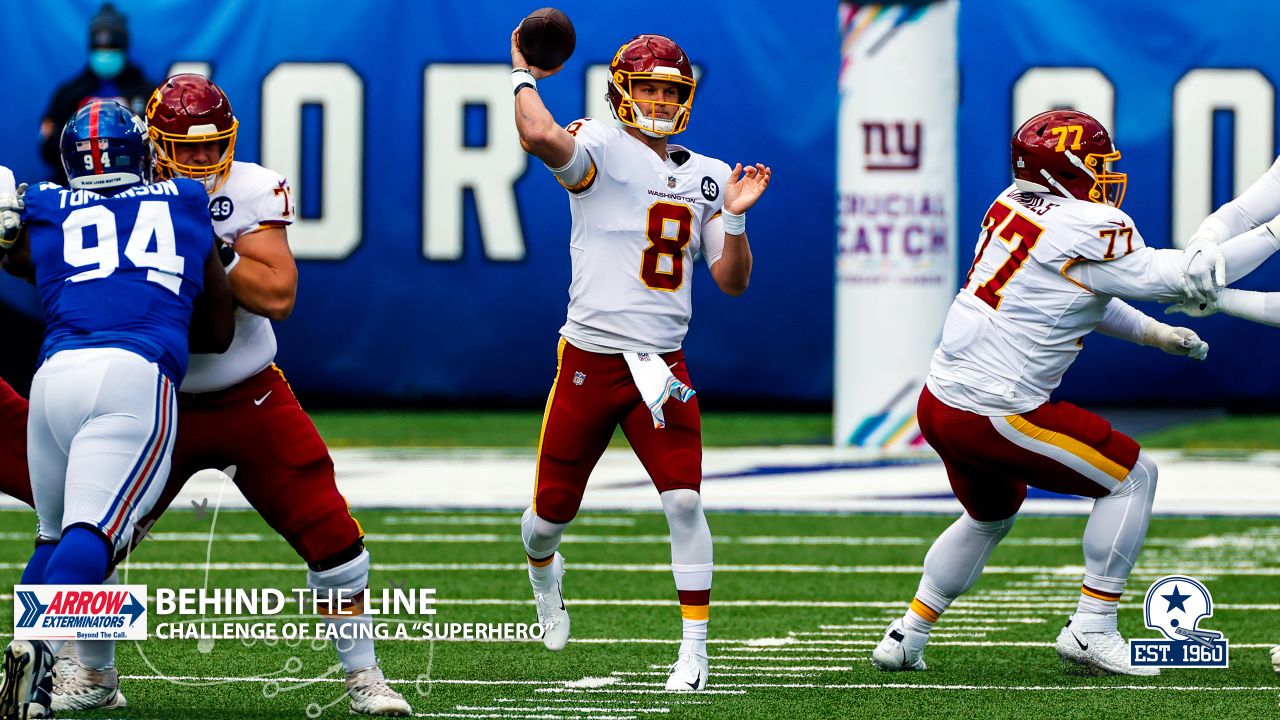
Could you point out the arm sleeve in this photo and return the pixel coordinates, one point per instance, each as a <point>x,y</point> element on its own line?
<point>713,239</point>
<point>1256,205</point>
<point>1122,320</point>
<point>590,139</point>
<point>1245,252</point>
<point>1144,274</point>
<point>1259,307</point>
<point>579,173</point>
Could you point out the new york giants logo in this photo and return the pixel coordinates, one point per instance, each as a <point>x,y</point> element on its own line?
<point>892,145</point>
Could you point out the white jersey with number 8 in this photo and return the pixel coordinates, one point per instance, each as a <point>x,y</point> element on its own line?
<point>639,223</point>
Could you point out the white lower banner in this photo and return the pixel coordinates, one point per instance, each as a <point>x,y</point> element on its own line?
<point>896,180</point>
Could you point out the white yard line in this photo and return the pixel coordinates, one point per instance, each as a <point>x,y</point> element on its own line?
<point>519,715</point>
<point>571,538</point>
<point>664,568</point>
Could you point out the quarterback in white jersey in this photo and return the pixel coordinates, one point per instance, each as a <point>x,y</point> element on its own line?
<point>1054,256</point>
<point>665,212</point>
<point>643,211</point>
<point>236,409</point>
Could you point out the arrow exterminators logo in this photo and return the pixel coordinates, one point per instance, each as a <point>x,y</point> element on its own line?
<point>80,612</point>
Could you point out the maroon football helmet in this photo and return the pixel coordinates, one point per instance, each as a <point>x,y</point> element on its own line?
<point>1067,153</point>
<point>189,108</point>
<point>652,58</point>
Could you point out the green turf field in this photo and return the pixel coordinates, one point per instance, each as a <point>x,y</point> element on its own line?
<point>519,428</point>
<point>462,428</point>
<point>799,601</point>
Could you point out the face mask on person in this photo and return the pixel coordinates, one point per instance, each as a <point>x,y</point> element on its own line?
<point>106,63</point>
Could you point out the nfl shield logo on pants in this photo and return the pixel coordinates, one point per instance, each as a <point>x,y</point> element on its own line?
<point>579,377</point>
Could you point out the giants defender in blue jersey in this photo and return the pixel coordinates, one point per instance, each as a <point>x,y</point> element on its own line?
<point>120,266</point>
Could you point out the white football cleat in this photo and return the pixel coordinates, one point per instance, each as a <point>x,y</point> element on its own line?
<point>552,615</point>
<point>1275,659</point>
<point>28,681</point>
<point>87,689</point>
<point>1092,640</point>
<point>371,695</point>
<point>64,663</point>
<point>895,651</point>
<point>689,673</point>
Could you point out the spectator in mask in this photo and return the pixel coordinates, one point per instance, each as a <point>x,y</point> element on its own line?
<point>109,75</point>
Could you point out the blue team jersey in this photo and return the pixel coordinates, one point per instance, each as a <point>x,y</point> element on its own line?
<point>120,271</point>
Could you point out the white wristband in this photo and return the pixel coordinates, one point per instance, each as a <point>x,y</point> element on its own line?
<point>734,224</point>
<point>521,78</point>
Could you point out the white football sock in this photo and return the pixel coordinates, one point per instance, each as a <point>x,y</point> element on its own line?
<point>952,566</point>
<point>98,654</point>
<point>1114,536</point>
<point>691,565</point>
<point>541,540</point>
<point>348,581</point>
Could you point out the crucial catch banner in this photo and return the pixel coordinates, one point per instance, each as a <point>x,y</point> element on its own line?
<point>80,612</point>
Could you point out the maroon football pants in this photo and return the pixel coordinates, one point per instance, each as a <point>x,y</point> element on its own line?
<point>282,465</point>
<point>14,479</point>
<point>592,395</point>
<point>1058,447</point>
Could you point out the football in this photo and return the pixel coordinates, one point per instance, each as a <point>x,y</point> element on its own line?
<point>547,38</point>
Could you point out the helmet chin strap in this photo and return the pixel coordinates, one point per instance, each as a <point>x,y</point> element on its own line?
<point>653,127</point>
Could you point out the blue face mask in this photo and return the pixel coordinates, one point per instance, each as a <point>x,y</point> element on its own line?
<point>106,64</point>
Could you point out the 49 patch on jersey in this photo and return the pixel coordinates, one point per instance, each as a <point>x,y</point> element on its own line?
<point>221,208</point>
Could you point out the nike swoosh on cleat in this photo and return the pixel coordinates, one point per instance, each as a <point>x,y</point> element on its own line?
<point>1083,646</point>
<point>694,685</point>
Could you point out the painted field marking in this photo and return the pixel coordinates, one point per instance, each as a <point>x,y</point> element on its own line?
<point>664,568</point>
<point>718,674</point>
<point>634,691</point>
<point>654,539</point>
<point>796,668</point>
<point>598,701</point>
<point>583,708</point>
<point>513,714</point>
<point>514,518</point>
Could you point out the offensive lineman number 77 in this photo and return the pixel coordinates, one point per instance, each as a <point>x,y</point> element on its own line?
<point>1015,230</point>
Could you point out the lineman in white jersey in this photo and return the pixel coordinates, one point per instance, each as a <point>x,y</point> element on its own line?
<point>253,199</point>
<point>643,210</point>
<point>1055,255</point>
<point>236,408</point>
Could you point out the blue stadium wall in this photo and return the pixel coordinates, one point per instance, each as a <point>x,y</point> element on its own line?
<point>395,315</point>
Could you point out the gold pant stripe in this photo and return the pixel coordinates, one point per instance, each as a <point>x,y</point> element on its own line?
<point>546,416</point>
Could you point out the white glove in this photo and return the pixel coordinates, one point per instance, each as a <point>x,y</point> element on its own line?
<point>1204,270</point>
<point>11,207</point>
<point>1191,308</point>
<point>1275,659</point>
<point>1175,340</point>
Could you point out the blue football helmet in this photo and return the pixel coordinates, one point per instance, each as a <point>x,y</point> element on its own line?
<point>104,146</point>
